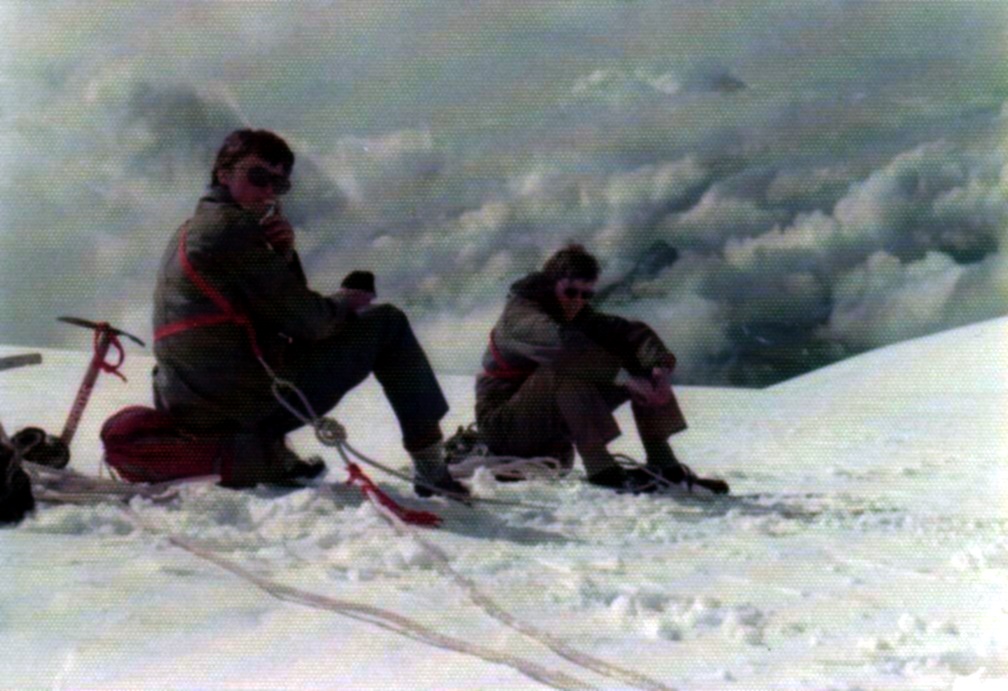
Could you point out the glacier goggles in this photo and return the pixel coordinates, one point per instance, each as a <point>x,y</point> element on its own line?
<point>260,177</point>
<point>571,293</point>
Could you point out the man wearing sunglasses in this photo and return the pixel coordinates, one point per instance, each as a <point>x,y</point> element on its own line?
<point>231,295</point>
<point>555,369</point>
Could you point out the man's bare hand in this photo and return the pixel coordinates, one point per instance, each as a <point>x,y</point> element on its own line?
<point>661,380</point>
<point>279,234</point>
<point>642,390</point>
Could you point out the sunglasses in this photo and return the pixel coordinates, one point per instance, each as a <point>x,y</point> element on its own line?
<point>260,177</point>
<point>572,293</point>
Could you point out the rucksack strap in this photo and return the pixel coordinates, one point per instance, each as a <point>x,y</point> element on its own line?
<point>227,314</point>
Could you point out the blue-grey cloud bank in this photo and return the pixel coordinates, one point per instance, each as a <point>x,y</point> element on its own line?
<point>773,186</point>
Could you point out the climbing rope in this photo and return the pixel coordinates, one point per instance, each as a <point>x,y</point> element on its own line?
<point>382,618</point>
<point>331,433</point>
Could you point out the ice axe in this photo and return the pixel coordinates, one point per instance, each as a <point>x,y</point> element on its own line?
<point>46,449</point>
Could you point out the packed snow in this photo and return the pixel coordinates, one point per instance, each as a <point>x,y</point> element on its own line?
<point>865,546</point>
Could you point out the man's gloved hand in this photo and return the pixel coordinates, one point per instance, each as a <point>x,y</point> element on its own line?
<point>357,290</point>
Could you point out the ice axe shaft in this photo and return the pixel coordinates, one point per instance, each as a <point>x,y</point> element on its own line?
<point>105,336</point>
<point>86,387</point>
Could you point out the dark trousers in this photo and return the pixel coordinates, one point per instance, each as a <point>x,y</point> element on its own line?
<point>379,341</point>
<point>555,408</point>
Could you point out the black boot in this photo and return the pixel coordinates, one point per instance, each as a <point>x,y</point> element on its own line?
<point>683,476</point>
<point>295,470</point>
<point>625,480</point>
<point>432,477</point>
<point>662,461</point>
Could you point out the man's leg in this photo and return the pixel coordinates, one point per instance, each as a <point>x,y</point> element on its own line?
<point>655,425</point>
<point>553,409</point>
<point>378,341</point>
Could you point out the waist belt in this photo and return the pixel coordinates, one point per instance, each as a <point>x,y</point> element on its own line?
<point>503,369</point>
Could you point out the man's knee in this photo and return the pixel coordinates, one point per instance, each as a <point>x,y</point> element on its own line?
<point>386,313</point>
<point>566,379</point>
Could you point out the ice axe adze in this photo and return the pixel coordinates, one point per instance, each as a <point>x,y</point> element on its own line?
<point>46,449</point>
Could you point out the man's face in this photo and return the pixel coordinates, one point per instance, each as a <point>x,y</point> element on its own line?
<point>573,294</point>
<point>253,183</point>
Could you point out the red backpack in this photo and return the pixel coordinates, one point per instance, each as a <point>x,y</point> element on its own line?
<point>145,445</point>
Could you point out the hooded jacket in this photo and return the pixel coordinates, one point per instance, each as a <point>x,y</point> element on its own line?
<point>531,332</point>
<point>208,375</point>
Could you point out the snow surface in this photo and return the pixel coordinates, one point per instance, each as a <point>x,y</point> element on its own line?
<point>865,546</point>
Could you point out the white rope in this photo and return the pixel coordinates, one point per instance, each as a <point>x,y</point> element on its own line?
<point>383,618</point>
<point>336,436</point>
<point>490,607</point>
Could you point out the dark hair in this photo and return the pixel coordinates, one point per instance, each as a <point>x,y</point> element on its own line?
<point>266,145</point>
<point>572,261</point>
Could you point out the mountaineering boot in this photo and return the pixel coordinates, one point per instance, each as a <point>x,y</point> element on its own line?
<point>661,461</point>
<point>625,480</point>
<point>603,470</point>
<point>294,470</point>
<point>16,497</point>
<point>431,474</point>
<point>267,461</point>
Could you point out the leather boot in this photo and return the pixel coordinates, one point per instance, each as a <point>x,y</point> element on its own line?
<point>431,474</point>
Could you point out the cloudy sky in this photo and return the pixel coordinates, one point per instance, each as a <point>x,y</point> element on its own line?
<point>773,186</point>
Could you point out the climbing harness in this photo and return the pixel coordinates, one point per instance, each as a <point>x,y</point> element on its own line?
<point>503,369</point>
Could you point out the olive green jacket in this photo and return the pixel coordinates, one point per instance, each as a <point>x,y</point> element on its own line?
<point>531,332</point>
<point>208,376</point>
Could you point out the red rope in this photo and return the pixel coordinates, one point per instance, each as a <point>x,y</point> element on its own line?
<point>104,329</point>
<point>371,490</point>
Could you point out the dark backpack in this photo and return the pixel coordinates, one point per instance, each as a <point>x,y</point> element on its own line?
<point>146,445</point>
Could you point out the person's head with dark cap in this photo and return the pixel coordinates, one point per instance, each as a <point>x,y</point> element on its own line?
<point>574,272</point>
<point>254,166</point>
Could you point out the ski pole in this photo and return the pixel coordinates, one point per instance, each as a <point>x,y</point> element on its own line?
<point>105,337</point>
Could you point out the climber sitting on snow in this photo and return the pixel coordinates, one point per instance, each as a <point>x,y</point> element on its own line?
<point>555,369</point>
<point>231,289</point>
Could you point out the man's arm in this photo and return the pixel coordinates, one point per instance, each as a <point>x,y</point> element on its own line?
<point>525,331</point>
<point>639,349</point>
<point>274,290</point>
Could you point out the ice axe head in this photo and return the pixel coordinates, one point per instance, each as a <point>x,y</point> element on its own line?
<point>101,327</point>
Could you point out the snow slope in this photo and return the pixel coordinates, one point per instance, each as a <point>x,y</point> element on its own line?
<point>866,546</point>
